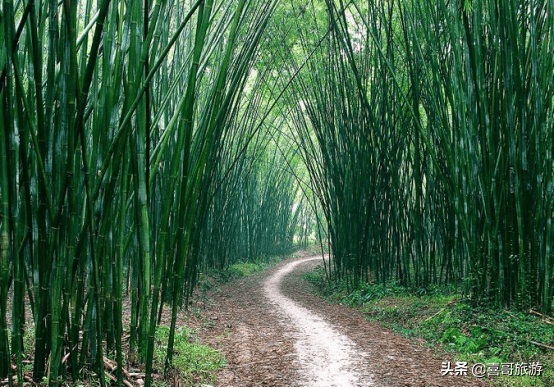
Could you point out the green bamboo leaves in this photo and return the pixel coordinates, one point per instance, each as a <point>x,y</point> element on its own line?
<point>114,116</point>
<point>146,141</point>
<point>428,141</point>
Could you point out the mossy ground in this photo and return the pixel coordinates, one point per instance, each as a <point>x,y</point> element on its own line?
<point>457,330</point>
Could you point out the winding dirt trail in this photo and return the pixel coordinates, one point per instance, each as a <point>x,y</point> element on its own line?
<point>275,332</point>
<point>326,355</point>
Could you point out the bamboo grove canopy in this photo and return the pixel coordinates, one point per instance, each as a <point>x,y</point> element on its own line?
<point>146,141</point>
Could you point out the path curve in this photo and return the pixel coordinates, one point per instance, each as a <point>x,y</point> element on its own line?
<point>259,325</point>
<point>326,355</point>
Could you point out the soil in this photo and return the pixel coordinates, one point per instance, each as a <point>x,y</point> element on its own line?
<point>274,331</point>
<point>252,322</point>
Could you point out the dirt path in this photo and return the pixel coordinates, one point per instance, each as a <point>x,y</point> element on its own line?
<point>327,357</point>
<point>275,332</point>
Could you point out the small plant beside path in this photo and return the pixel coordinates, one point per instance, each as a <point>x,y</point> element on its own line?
<point>442,319</point>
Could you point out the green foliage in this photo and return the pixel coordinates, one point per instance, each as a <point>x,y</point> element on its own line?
<point>247,269</point>
<point>315,277</point>
<point>130,130</point>
<point>427,133</point>
<point>364,292</point>
<point>451,325</point>
<point>193,363</point>
<point>144,143</point>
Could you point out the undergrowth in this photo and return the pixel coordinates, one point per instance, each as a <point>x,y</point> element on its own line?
<point>193,362</point>
<point>248,269</point>
<point>213,278</point>
<point>452,326</point>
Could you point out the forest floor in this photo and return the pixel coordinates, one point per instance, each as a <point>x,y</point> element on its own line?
<point>255,323</point>
<point>273,329</point>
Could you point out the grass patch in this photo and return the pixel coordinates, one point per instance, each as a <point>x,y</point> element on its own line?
<point>247,269</point>
<point>213,278</point>
<point>194,364</point>
<point>452,326</point>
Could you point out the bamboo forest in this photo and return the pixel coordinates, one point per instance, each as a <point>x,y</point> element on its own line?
<point>147,143</point>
